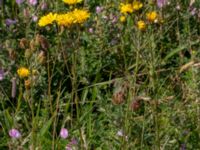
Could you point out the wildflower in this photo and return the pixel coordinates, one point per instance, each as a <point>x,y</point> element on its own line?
<point>136,5</point>
<point>1,74</point>
<point>14,133</point>
<point>72,2</point>
<point>34,18</point>
<point>73,141</point>
<point>91,30</point>
<point>33,2</point>
<point>23,43</point>
<point>126,8</point>
<point>141,25</point>
<point>64,133</point>
<point>10,22</point>
<point>152,16</point>
<point>118,98</point>
<point>98,9</point>
<point>122,18</point>
<point>65,19</point>
<point>41,57</point>
<point>120,133</point>
<point>19,1</point>
<point>161,3</point>
<point>135,105</point>
<point>178,7</point>
<point>44,6</point>
<point>68,147</point>
<point>193,10</point>
<point>23,72</point>
<point>46,20</point>
<point>80,15</point>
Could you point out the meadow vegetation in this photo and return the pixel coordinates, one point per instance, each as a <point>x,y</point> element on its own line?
<point>100,74</point>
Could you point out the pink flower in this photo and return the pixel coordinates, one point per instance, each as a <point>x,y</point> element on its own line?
<point>98,9</point>
<point>91,30</point>
<point>19,1</point>
<point>14,133</point>
<point>161,3</point>
<point>34,18</point>
<point>33,2</point>
<point>64,133</point>
<point>68,147</point>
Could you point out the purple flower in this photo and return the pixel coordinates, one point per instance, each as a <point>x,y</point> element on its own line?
<point>68,147</point>
<point>33,2</point>
<point>44,6</point>
<point>193,11</point>
<point>64,133</point>
<point>74,141</point>
<point>19,1</point>
<point>10,22</point>
<point>14,133</point>
<point>1,74</point>
<point>120,133</point>
<point>91,30</point>
<point>34,18</point>
<point>161,3</point>
<point>98,9</point>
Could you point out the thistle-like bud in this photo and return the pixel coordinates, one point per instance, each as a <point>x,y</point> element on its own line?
<point>27,84</point>
<point>41,57</point>
<point>33,45</point>
<point>118,98</point>
<point>28,53</point>
<point>24,43</point>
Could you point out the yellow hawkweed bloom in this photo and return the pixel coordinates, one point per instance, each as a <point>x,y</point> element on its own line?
<point>80,16</point>
<point>23,72</point>
<point>65,19</point>
<point>136,5</point>
<point>126,8</point>
<point>141,25</point>
<point>152,16</point>
<point>72,2</point>
<point>122,18</point>
<point>46,20</point>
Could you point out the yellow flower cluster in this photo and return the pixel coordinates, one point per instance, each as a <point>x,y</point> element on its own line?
<point>127,8</point>
<point>130,7</point>
<point>72,2</point>
<point>152,16</point>
<point>141,25</point>
<point>76,16</point>
<point>47,19</point>
<point>23,72</point>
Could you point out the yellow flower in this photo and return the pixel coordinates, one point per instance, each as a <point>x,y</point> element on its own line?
<point>46,20</point>
<point>80,16</point>
<point>136,5</point>
<point>152,16</point>
<point>126,8</point>
<point>65,19</point>
<point>141,25</point>
<point>72,2</point>
<point>122,18</point>
<point>23,72</point>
